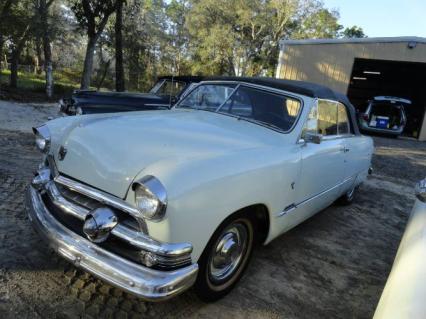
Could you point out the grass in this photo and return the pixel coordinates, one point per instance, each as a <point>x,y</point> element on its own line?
<point>32,86</point>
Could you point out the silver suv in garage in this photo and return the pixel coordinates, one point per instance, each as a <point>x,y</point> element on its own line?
<point>384,115</point>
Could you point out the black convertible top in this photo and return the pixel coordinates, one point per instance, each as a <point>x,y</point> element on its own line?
<point>298,87</point>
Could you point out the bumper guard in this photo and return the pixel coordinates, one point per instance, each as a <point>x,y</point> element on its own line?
<point>144,282</point>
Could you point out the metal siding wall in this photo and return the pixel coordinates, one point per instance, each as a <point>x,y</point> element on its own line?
<point>331,64</point>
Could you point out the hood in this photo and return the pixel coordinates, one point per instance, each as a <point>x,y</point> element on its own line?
<point>108,152</point>
<point>112,98</point>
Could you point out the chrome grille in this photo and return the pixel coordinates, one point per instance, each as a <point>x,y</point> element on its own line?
<point>63,194</point>
<point>77,198</point>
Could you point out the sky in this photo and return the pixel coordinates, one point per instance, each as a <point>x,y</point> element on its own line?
<point>383,18</point>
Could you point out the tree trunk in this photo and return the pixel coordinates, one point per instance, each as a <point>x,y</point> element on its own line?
<point>38,58</point>
<point>16,53</point>
<point>104,73</point>
<point>119,69</point>
<point>14,68</point>
<point>47,48</point>
<point>88,64</point>
<point>48,67</point>
<point>1,52</point>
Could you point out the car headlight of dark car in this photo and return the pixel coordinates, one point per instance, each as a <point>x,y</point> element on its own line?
<point>42,138</point>
<point>150,198</point>
<point>420,190</point>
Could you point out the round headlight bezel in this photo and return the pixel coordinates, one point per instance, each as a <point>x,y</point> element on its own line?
<point>150,198</point>
<point>42,138</point>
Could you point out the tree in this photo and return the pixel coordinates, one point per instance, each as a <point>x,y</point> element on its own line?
<point>353,32</point>
<point>211,25</point>
<point>119,68</point>
<point>93,16</point>
<point>44,29</point>
<point>320,23</point>
<point>4,11</point>
<point>20,19</point>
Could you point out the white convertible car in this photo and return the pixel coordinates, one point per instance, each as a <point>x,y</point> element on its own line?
<point>155,202</point>
<point>404,295</point>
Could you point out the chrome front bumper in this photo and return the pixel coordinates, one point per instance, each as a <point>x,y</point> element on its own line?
<point>144,282</point>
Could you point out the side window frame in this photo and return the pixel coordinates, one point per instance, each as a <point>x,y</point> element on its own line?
<point>348,121</point>
<point>330,136</point>
<point>316,104</point>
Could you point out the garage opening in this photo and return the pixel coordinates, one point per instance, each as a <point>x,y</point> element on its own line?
<point>372,78</point>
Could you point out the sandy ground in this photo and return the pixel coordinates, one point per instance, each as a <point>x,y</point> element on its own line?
<point>22,117</point>
<point>334,265</point>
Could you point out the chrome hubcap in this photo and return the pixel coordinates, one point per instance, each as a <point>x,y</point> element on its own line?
<point>228,252</point>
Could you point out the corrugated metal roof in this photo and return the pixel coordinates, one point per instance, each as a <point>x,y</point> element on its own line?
<point>354,40</point>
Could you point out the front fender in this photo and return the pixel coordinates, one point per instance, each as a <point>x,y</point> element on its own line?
<point>203,193</point>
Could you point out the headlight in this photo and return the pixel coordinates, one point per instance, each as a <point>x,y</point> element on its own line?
<point>74,110</point>
<point>42,138</point>
<point>150,197</point>
<point>78,111</point>
<point>421,190</point>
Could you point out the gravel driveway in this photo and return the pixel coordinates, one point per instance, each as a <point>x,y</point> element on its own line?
<point>334,265</point>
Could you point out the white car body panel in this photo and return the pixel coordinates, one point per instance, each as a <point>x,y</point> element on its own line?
<point>404,295</point>
<point>211,166</point>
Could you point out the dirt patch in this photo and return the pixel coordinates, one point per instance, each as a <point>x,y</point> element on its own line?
<point>334,265</point>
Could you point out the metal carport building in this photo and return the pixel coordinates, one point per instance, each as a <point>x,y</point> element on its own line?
<point>363,68</point>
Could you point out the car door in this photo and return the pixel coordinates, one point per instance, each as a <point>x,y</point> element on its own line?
<point>357,152</point>
<point>322,164</point>
<point>350,150</point>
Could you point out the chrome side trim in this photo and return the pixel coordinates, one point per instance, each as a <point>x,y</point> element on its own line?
<point>102,197</point>
<point>292,207</point>
<point>146,283</point>
<point>137,239</point>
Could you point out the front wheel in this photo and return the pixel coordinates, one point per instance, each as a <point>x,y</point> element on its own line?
<point>225,258</point>
<point>348,197</point>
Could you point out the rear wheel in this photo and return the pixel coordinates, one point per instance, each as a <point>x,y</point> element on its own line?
<point>348,197</point>
<point>225,258</point>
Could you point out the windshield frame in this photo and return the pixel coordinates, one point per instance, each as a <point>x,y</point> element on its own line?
<point>159,84</point>
<point>250,85</point>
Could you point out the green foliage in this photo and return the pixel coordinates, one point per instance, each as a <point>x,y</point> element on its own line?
<point>35,82</point>
<point>353,32</point>
<point>99,9</point>
<point>205,37</point>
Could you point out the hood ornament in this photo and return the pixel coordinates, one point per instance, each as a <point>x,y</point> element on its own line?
<point>62,153</point>
<point>99,223</point>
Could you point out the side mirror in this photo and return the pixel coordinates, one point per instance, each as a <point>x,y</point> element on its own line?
<point>313,138</point>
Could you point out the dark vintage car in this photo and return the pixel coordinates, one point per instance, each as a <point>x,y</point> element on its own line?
<point>165,93</point>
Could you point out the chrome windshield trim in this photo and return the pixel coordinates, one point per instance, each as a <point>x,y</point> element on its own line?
<point>255,86</point>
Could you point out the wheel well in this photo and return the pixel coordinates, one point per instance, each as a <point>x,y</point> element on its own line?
<point>260,216</point>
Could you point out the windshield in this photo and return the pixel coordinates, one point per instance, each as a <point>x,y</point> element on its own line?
<point>208,97</point>
<point>270,109</point>
<point>168,87</point>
